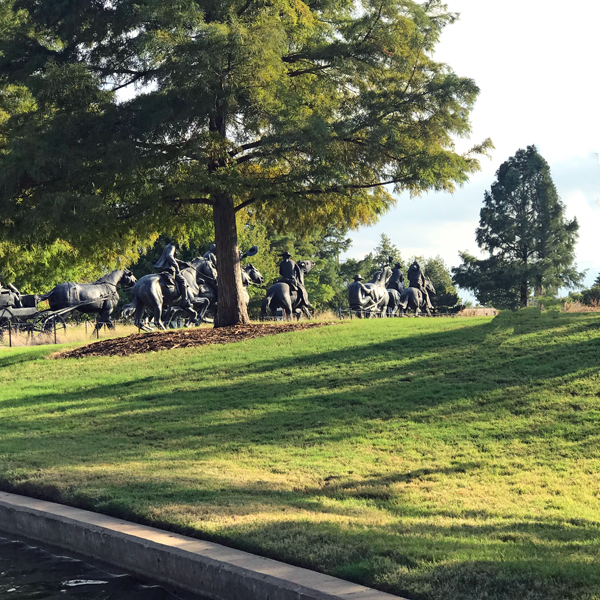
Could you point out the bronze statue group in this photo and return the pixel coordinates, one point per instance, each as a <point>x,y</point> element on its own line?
<point>386,294</point>
<point>189,290</point>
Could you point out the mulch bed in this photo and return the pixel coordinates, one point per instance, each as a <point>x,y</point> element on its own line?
<point>139,343</point>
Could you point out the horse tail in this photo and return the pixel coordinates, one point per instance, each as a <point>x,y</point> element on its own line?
<point>129,309</point>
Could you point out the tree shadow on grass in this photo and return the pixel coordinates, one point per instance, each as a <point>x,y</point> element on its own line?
<point>430,560</point>
<point>16,356</point>
<point>326,397</point>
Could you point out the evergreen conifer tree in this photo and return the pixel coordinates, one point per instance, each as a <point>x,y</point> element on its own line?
<point>522,225</point>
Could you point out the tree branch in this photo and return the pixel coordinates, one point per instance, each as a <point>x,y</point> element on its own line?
<point>109,71</point>
<point>311,70</point>
<point>368,34</point>
<point>245,203</point>
<point>132,80</point>
<point>190,201</point>
<point>244,8</point>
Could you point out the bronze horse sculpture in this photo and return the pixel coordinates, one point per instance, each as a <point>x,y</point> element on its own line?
<point>413,298</point>
<point>155,293</point>
<point>370,299</point>
<point>282,295</point>
<point>209,292</point>
<point>100,297</point>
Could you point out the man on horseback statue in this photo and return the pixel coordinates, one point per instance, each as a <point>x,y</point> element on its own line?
<point>418,280</point>
<point>292,275</point>
<point>396,281</point>
<point>171,268</point>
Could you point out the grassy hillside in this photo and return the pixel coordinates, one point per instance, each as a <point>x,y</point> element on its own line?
<point>435,459</point>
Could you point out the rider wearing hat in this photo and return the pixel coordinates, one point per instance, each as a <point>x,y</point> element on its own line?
<point>172,267</point>
<point>358,280</point>
<point>417,279</point>
<point>290,274</point>
<point>396,281</point>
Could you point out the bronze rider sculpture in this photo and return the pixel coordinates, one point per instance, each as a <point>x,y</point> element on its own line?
<point>396,281</point>
<point>290,274</point>
<point>171,268</point>
<point>417,279</point>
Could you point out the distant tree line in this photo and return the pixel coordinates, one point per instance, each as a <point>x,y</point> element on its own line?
<point>589,296</point>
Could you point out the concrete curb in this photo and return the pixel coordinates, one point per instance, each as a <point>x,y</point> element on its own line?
<point>212,570</point>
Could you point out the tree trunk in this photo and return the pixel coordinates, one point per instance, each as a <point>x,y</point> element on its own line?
<point>524,290</point>
<point>231,306</point>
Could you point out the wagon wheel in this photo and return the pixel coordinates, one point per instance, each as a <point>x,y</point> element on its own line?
<point>44,325</point>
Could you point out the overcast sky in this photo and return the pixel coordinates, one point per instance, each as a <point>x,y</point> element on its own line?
<point>537,66</point>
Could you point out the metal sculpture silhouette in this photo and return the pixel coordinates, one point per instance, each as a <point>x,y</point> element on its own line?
<point>289,294</point>
<point>370,299</point>
<point>416,296</point>
<point>156,291</point>
<point>100,297</point>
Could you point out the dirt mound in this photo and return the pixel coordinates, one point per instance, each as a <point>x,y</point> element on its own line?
<point>138,343</point>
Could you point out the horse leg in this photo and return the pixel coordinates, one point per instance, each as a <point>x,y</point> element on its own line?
<point>168,315</point>
<point>266,304</point>
<point>205,302</point>
<point>139,315</point>
<point>192,316</point>
<point>157,312</point>
<point>103,317</point>
<point>286,305</point>
<point>108,310</point>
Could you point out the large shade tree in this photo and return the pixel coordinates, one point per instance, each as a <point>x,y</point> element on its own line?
<point>143,116</point>
<point>523,228</point>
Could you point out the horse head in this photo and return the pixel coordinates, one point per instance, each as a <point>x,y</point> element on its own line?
<point>380,277</point>
<point>123,277</point>
<point>204,270</point>
<point>429,286</point>
<point>306,265</point>
<point>128,278</point>
<point>253,274</point>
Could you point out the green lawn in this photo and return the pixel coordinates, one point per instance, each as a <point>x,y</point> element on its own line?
<point>432,458</point>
